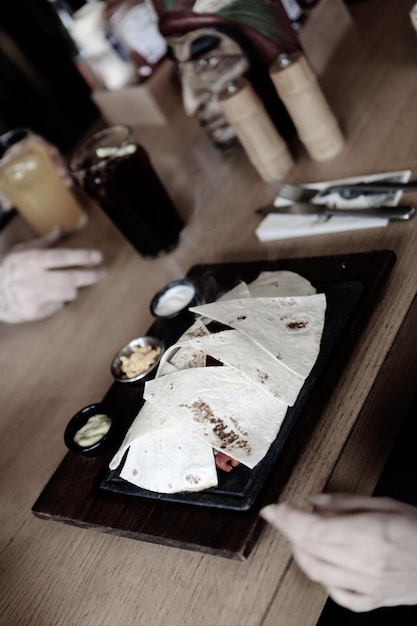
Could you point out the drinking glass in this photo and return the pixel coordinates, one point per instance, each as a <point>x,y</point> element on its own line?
<point>117,173</point>
<point>31,180</point>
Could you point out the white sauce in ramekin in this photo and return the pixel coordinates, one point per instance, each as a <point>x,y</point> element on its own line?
<point>174,299</point>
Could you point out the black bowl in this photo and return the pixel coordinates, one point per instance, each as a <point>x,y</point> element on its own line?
<point>174,299</point>
<point>79,420</point>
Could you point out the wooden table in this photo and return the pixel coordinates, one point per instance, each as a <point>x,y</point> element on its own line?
<point>57,574</point>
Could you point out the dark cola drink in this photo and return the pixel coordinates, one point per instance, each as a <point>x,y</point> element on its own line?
<point>124,184</point>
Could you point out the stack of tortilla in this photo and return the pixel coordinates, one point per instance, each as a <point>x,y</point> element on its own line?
<point>270,342</point>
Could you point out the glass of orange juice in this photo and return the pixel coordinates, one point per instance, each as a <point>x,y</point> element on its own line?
<point>31,181</point>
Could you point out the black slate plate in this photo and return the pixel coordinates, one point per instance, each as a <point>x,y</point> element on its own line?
<point>73,495</point>
<point>239,489</point>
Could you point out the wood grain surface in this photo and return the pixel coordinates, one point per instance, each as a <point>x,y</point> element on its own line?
<point>57,574</point>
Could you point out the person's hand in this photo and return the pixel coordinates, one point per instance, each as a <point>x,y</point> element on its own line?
<point>35,282</point>
<point>5,203</point>
<point>362,550</point>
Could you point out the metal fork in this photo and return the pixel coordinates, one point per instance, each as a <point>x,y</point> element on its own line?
<point>297,193</point>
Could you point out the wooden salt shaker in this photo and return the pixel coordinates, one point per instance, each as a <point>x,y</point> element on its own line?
<point>264,146</point>
<point>298,88</point>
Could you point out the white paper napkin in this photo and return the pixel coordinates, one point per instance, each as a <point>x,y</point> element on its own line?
<point>280,226</point>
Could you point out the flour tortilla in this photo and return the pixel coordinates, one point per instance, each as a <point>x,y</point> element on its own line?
<point>163,456</point>
<point>280,284</point>
<point>182,355</point>
<point>240,291</point>
<point>222,407</point>
<point>233,348</point>
<point>276,326</point>
<point>289,329</point>
<point>273,284</point>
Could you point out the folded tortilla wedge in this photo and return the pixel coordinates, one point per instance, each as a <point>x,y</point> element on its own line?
<point>280,284</point>
<point>233,348</point>
<point>221,406</point>
<point>164,456</point>
<point>289,329</point>
<point>182,354</point>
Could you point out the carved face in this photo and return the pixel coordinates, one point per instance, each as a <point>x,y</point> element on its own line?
<point>207,61</point>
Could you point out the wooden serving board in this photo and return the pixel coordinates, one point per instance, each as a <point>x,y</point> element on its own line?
<point>73,494</point>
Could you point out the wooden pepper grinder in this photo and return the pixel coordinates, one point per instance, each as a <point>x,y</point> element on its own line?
<point>264,146</point>
<point>298,88</point>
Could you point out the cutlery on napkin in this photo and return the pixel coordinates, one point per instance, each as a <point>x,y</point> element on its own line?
<point>285,226</point>
<point>298,193</point>
<point>398,212</point>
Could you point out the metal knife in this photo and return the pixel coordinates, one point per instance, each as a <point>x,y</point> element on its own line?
<point>399,212</point>
<point>376,186</point>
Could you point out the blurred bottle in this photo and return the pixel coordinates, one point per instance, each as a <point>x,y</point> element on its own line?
<point>131,24</point>
<point>64,12</point>
<point>102,64</point>
<point>296,14</point>
<point>297,11</point>
<point>88,30</point>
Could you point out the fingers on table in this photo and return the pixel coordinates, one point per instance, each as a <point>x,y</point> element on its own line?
<point>352,503</point>
<point>314,529</point>
<point>62,286</point>
<point>65,257</point>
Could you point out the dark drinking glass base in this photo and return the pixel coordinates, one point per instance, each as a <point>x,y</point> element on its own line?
<point>130,192</point>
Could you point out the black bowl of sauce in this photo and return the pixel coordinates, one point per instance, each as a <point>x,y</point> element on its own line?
<point>90,431</point>
<point>174,299</point>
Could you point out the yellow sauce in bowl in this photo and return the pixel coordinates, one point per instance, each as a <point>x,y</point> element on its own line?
<point>95,428</point>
